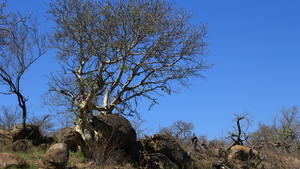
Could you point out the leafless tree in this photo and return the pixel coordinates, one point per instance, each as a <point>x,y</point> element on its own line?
<point>21,45</point>
<point>240,135</point>
<point>141,131</point>
<point>115,52</point>
<point>44,123</point>
<point>182,129</point>
<point>179,129</point>
<point>9,117</point>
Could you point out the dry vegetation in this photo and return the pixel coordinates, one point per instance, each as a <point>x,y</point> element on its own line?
<point>272,146</point>
<point>168,49</point>
<point>206,153</point>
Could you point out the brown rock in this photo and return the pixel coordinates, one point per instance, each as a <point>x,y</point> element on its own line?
<point>240,156</point>
<point>56,157</point>
<point>66,135</point>
<point>20,145</point>
<point>166,145</point>
<point>119,156</point>
<point>9,160</point>
<point>5,137</point>
<point>115,129</point>
<point>158,161</point>
<point>83,165</point>
<point>4,141</point>
<point>134,152</point>
<point>5,134</point>
<point>43,140</point>
<point>31,133</point>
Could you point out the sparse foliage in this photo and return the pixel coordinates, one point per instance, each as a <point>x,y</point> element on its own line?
<point>278,143</point>
<point>283,133</point>
<point>21,45</point>
<point>45,124</point>
<point>287,127</point>
<point>9,117</point>
<point>114,53</point>
<point>240,135</point>
<point>138,127</point>
<point>179,129</point>
<point>65,120</point>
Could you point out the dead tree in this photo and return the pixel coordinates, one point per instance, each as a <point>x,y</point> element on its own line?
<point>239,137</point>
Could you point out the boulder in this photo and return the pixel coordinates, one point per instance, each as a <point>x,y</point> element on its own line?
<point>5,142</point>
<point>167,145</point>
<point>9,160</point>
<point>240,156</point>
<point>115,129</point>
<point>43,140</point>
<point>134,152</point>
<point>158,161</point>
<point>56,157</point>
<point>5,134</point>
<point>31,132</point>
<point>5,137</point>
<point>117,156</point>
<point>66,135</point>
<point>20,145</point>
<point>46,140</point>
<point>83,165</point>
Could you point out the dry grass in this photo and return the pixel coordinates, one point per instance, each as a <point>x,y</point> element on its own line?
<point>278,157</point>
<point>31,155</point>
<point>272,157</point>
<point>34,153</point>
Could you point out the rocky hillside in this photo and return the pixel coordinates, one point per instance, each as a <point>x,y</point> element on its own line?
<point>119,148</point>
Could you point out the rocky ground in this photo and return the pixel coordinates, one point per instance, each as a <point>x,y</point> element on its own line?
<point>119,149</point>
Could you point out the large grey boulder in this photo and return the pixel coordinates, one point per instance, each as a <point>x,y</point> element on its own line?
<point>9,160</point>
<point>56,157</point>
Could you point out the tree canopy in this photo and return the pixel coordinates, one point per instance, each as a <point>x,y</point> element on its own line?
<point>179,129</point>
<point>115,52</point>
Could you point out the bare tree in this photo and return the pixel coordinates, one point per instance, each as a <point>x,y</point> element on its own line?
<point>5,28</point>
<point>21,46</point>
<point>240,135</point>
<point>141,131</point>
<point>45,124</point>
<point>115,52</point>
<point>9,117</point>
<point>179,129</point>
<point>182,129</point>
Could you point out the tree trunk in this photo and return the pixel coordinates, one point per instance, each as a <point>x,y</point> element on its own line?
<point>86,135</point>
<point>22,104</point>
<point>24,120</point>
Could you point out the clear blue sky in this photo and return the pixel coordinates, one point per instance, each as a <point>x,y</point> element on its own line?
<point>255,45</point>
